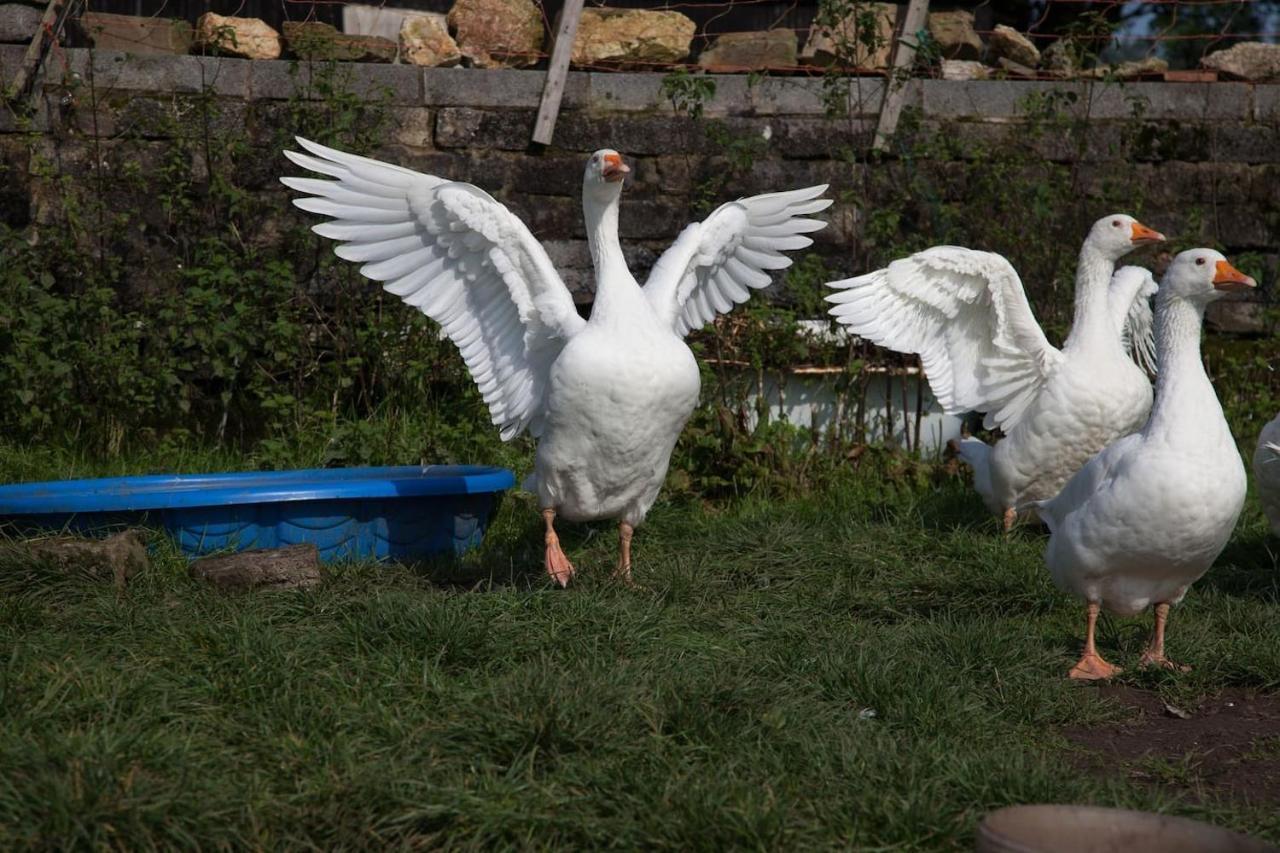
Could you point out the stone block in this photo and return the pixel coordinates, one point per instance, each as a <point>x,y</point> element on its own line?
<point>108,69</point>
<point>550,217</point>
<point>315,40</point>
<point>1180,101</point>
<point>503,88</point>
<point>249,38</point>
<point>397,84</point>
<point>137,34</point>
<point>626,92</point>
<point>1007,43</point>
<point>801,138</point>
<point>425,40</point>
<point>461,127</point>
<point>1247,60</point>
<point>964,69</point>
<point>843,43</point>
<point>954,34</point>
<point>18,23</point>
<point>557,175</point>
<point>1237,314</point>
<point>632,37</point>
<point>1245,143</point>
<point>498,33</point>
<point>751,51</point>
<point>412,126</point>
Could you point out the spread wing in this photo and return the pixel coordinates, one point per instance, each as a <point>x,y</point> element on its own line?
<point>714,264</point>
<point>1129,299</point>
<point>457,255</point>
<point>966,315</point>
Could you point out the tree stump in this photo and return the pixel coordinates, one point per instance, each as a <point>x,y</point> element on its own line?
<point>291,567</point>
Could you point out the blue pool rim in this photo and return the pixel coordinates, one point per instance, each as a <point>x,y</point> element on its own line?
<point>188,491</point>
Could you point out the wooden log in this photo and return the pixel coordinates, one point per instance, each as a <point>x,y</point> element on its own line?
<point>557,72</point>
<point>117,557</point>
<point>895,91</point>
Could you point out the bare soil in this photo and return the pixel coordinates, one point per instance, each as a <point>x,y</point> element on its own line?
<point>1222,746</point>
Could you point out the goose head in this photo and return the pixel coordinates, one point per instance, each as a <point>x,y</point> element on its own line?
<point>1119,234</point>
<point>1201,276</point>
<point>603,177</point>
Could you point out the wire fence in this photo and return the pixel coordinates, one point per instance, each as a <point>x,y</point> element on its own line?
<point>1100,33</point>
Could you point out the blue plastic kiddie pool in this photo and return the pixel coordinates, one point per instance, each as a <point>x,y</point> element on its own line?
<point>401,512</point>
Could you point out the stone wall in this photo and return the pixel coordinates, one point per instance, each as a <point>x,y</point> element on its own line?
<point>1206,155</point>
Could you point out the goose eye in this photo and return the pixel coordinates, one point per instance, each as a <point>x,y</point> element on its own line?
<point>1199,262</point>
<point>1115,223</point>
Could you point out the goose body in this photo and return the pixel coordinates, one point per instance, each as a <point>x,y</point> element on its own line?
<point>965,313</point>
<point>1146,517</point>
<point>1266,468</point>
<point>607,397</point>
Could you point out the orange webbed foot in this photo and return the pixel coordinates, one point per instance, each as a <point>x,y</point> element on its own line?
<point>1091,667</point>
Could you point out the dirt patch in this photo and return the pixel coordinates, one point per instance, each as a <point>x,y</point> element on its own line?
<point>1224,746</point>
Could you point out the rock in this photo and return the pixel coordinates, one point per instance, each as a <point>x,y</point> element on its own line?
<point>1059,58</point>
<point>1017,68</point>
<point>291,567</point>
<point>118,557</point>
<point>425,40</point>
<point>764,49</point>
<point>632,35</point>
<point>1128,70</point>
<point>251,38</point>
<point>317,41</point>
<point>1012,45</point>
<point>964,69</point>
<point>841,43</point>
<point>1236,315</point>
<point>18,23</point>
<point>498,33</point>
<point>1249,60</point>
<point>954,34</point>
<point>136,35</point>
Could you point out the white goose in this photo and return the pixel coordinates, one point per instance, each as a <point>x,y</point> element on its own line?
<point>966,314</point>
<point>1146,517</point>
<point>1266,468</point>
<point>606,397</point>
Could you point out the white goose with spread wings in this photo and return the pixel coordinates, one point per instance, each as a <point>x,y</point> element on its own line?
<point>966,314</point>
<point>606,398</point>
<point>1266,467</point>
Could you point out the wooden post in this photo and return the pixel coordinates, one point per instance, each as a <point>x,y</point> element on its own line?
<point>51,24</point>
<point>895,92</point>
<point>557,72</point>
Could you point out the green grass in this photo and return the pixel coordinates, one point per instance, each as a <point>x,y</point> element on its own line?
<point>861,668</point>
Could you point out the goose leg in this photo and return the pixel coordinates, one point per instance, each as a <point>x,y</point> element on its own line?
<point>558,565</point>
<point>623,572</point>
<point>1091,666</point>
<point>1154,655</point>
<point>1010,516</point>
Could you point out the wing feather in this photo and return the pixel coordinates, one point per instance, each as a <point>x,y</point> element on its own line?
<point>453,252</point>
<point>965,314</point>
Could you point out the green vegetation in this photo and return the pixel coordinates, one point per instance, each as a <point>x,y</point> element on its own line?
<point>869,666</point>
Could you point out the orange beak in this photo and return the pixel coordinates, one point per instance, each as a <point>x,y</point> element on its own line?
<point>1142,234</point>
<point>614,169</point>
<point>1230,279</point>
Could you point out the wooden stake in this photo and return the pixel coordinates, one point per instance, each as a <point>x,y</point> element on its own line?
<point>895,92</point>
<point>557,72</point>
<point>55,16</point>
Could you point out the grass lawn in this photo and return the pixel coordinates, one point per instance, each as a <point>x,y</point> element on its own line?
<point>862,668</point>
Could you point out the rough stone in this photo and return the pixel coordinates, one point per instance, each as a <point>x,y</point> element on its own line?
<point>498,33</point>
<point>1250,60</point>
<point>18,23</point>
<point>136,35</point>
<point>1129,70</point>
<point>291,567</point>
<point>250,38</point>
<point>1242,315</point>
<point>1008,65</point>
<point>460,127</point>
<point>964,69</point>
<point>1010,44</point>
<point>632,36</point>
<point>117,557</point>
<point>954,34</point>
<point>425,40</point>
<point>1059,59</point>
<point>842,43</point>
<point>314,40</point>
<point>758,50</point>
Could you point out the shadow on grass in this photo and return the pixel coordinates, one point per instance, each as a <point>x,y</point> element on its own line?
<point>1249,567</point>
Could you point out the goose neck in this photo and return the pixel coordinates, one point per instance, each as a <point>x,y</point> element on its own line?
<point>1091,327</point>
<point>616,289</point>
<point>1184,394</point>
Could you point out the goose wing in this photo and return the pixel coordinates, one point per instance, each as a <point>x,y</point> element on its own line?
<point>714,264</point>
<point>1129,300</point>
<point>457,255</point>
<point>965,314</point>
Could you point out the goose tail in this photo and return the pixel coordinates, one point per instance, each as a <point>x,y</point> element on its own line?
<point>976,453</point>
